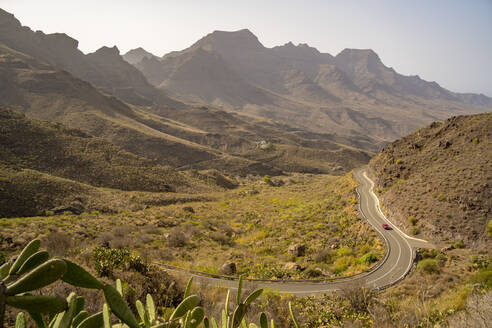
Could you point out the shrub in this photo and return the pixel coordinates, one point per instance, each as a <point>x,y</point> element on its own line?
<point>344,251</point>
<point>368,259</point>
<point>412,220</point>
<point>340,266</point>
<point>480,262</point>
<point>123,231</point>
<point>483,277</point>
<point>3,258</point>
<point>428,266</point>
<point>106,260</point>
<point>268,180</point>
<point>414,231</point>
<point>137,263</point>
<point>489,227</point>
<point>441,197</point>
<point>399,161</point>
<point>359,298</point>
<point>459,244</point>
<point>324,255</point>
<point>220,237</point>
<point>58,243</point>
<point>441,258</point>
<point>313,273</point>
<point>177,238</point>
<point>269,271</point>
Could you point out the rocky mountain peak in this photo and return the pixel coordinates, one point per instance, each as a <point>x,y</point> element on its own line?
<point>136,55</point>
<point>223,40</point>
<point>7,18</point>
<point>61,41</point>
<point>359,55</point>
<point>107,51</point>
<point>302,50</point>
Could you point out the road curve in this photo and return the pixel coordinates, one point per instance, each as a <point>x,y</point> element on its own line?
<point>392,268</point>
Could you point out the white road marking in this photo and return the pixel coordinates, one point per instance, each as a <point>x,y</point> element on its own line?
<point>378,207</point>
<point>394,265</point>
<point>401,232</point>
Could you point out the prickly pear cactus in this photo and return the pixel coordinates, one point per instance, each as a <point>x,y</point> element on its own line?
<point>33,269</point>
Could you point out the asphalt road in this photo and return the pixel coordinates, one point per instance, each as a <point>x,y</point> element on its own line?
<point>391,269</point>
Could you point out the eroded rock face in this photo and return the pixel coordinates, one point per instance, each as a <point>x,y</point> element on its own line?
<point>297,250</point>
<point>228,268</point>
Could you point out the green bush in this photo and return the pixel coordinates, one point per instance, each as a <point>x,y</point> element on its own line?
<point>368,259</point>
<point>414,231</point>
<point>269,271</point>
<point>489,227</point>
<point>106,260</point>
<point>268,180</point>
<point>412,220</point>
<point>459,244</point>
<point>483,277</point>
<point>441,197</point>
<point>311,273</point>
<point>428,266</point>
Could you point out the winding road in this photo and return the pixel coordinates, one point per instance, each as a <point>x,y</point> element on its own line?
<point>394,266</point>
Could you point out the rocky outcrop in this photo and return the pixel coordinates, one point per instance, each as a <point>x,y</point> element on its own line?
<point>135,56</point>
<point>228,268</point>
<point>297,250</point>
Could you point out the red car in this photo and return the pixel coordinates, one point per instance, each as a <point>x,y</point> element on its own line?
<point>386,227</point>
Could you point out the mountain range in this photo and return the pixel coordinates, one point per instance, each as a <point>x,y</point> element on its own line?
<point>226,103</point>
<point>350,93</point>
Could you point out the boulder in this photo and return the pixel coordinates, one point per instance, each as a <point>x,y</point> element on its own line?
<point>292,266</point>
<point>228,268</point>
<point>297,250</point>
<point>166,223</point>
<point>188,209</point>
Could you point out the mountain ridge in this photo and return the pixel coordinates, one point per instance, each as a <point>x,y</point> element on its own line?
<point>61,52</point>
<point>296,81</point>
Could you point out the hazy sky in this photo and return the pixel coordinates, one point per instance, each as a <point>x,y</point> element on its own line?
<point>448,41</point>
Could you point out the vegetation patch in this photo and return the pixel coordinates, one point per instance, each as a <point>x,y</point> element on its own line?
<point>240,227</point>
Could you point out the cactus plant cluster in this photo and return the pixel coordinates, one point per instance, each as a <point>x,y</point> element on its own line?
<point>33,270</point>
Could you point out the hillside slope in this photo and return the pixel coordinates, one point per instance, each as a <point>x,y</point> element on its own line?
<point>438,180</point>
<point>72,154</point>
<point>44,165</point>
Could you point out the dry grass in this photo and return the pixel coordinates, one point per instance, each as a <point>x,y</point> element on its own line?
<point>254,230</point>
